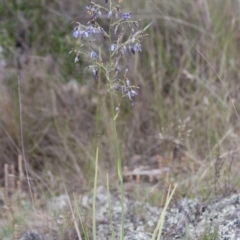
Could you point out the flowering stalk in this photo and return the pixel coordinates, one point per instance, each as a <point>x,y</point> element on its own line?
<point>123,39</point>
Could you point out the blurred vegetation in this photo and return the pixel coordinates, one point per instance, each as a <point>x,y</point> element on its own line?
<point>186,115</point>
<point>188,74</point>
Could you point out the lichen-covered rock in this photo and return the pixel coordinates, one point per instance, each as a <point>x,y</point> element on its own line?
<point>33,235</point>
<point>138,217</point>
<point>189,219</point>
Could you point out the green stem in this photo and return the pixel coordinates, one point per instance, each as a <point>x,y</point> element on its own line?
<point>119,167</point>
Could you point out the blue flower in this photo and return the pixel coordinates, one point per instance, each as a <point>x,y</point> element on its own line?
<point>93,55</point>
<point>133,93</point>
<point>116,87</point>
<point>137,47</point>
<point>113,47</point>
<point>76,33</point>
<point>109,14</point>
<point>93,11</point>
<point>126,16</point>
<point>90,30</point>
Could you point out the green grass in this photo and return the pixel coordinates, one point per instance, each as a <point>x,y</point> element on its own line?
<point>158,231</point>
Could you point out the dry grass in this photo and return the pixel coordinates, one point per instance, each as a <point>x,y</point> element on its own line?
<point>187,111</point>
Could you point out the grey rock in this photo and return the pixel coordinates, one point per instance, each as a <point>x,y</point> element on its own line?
<point>57,204</point>
<point>32,235</point>
<point>189,219</point>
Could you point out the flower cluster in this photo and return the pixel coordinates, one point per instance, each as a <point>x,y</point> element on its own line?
<point>123,84</point>
<point>124,37</point>
<point>83,31</point>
